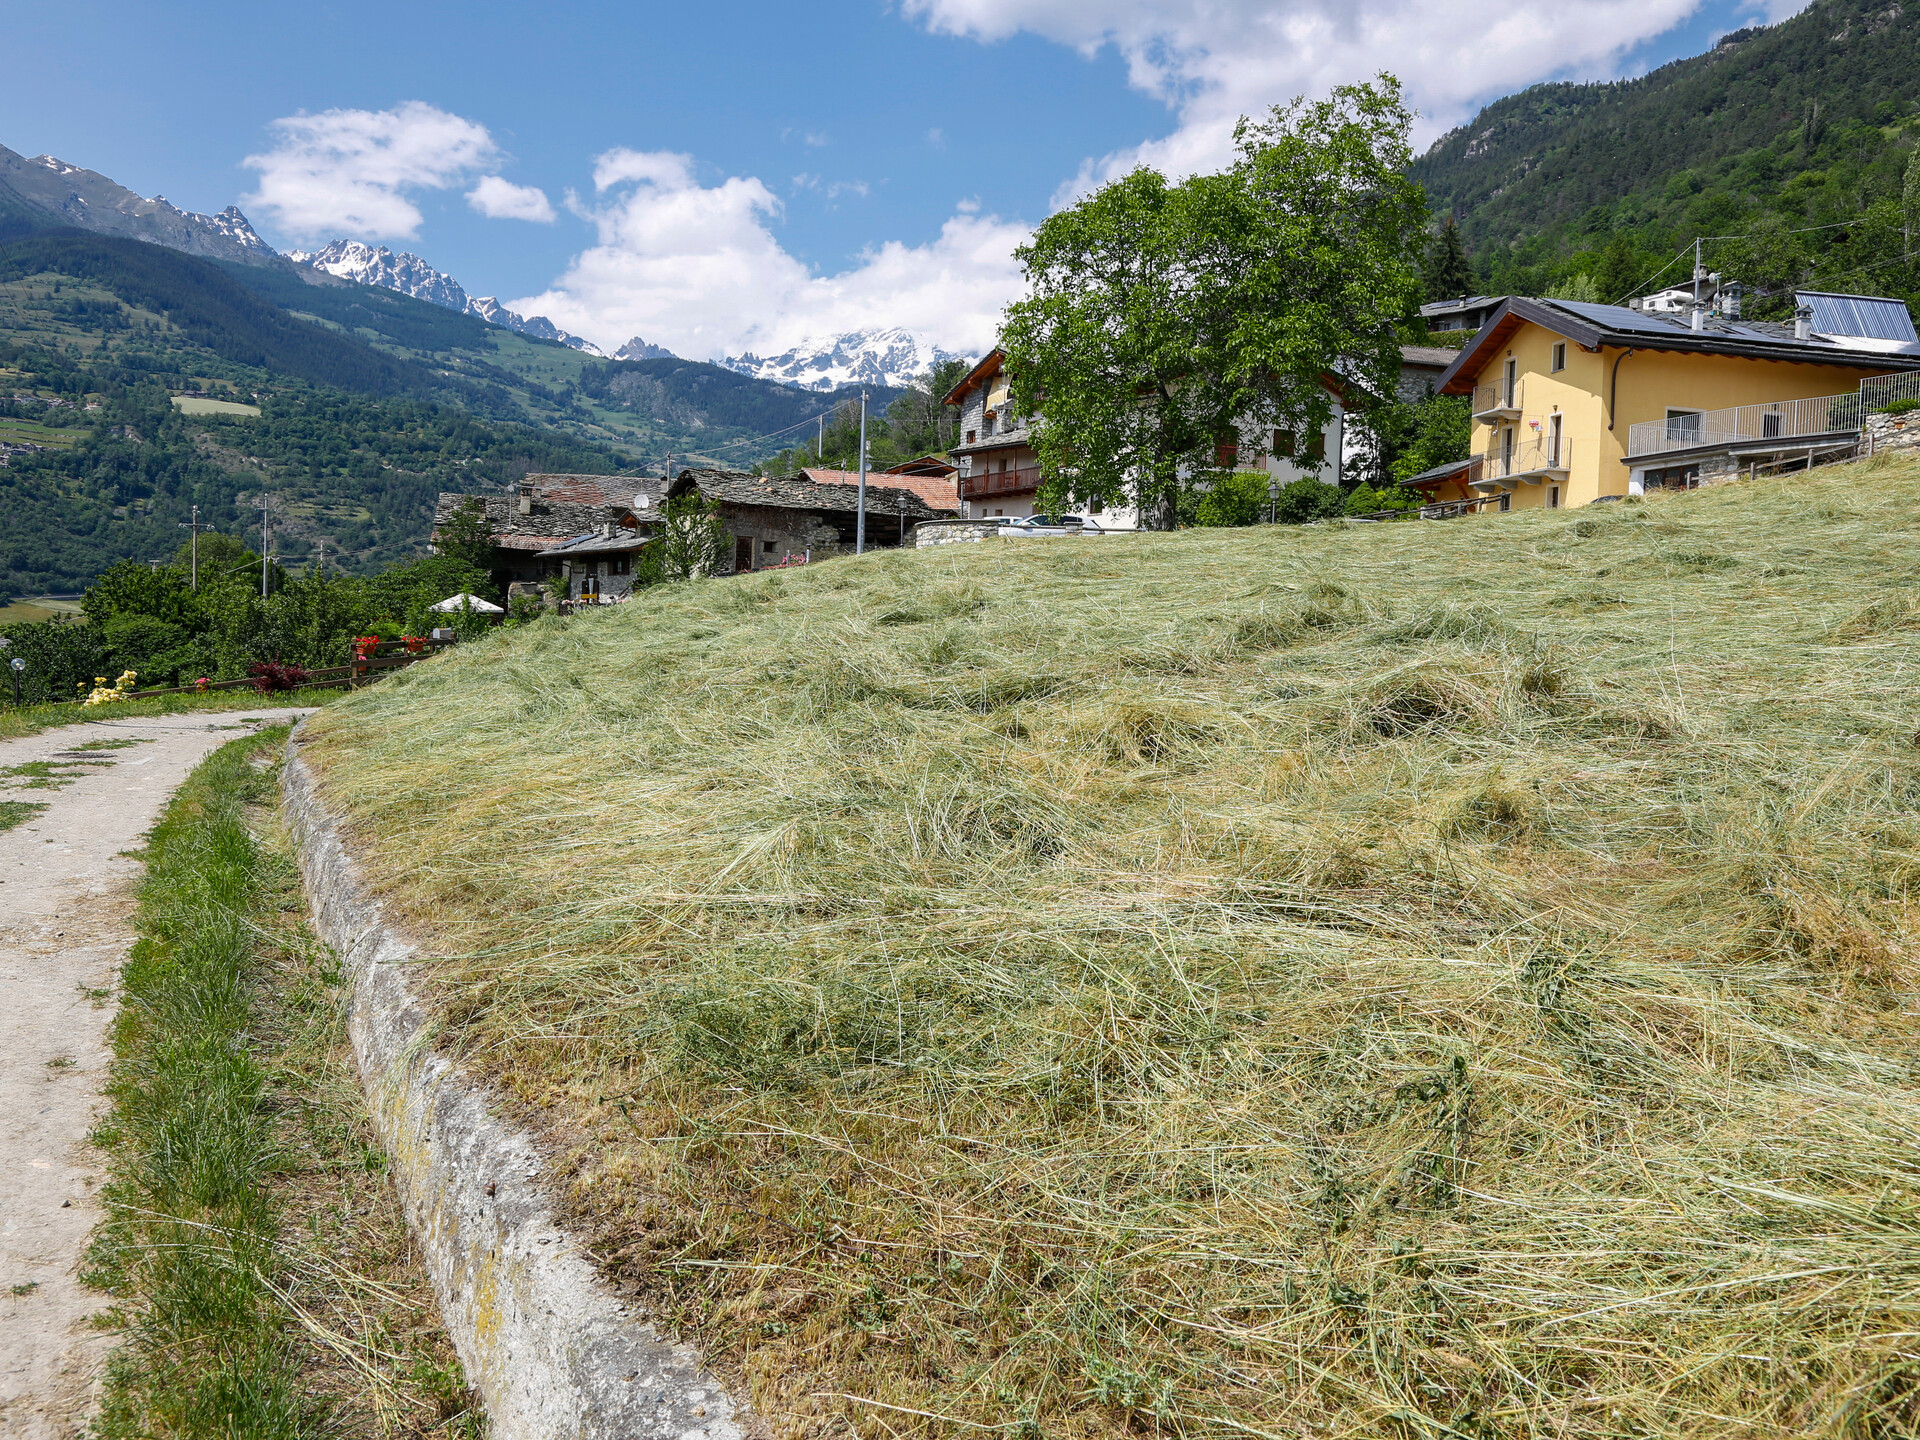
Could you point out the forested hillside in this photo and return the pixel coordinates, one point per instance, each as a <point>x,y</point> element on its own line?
<point>371,402</point>
<point>1809,123</point>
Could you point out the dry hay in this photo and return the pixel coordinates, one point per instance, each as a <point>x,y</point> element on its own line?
<point>1432,980</point>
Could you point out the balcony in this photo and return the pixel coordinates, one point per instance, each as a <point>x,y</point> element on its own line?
<point>1549,458</point>
<point>1740,426</point>
<point>999,482</point>
<point>1494,403</point>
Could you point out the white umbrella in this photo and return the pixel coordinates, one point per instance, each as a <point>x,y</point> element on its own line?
<point>456,603</point>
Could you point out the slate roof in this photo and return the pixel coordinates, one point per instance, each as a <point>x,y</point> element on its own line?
<point>742,487</point>
<point>561,507</point>
<point>621,542</point>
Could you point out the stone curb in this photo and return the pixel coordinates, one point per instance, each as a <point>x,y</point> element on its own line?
<point>554,1354</point>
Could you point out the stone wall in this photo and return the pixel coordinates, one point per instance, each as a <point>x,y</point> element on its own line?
<point>954,532</point>
<point>1890,432</point>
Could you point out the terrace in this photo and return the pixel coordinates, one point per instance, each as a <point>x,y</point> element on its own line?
<point>1820,420</point>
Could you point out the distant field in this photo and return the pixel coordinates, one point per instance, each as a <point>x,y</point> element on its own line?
<point>31,432</point>
<point>22,612</point>
<point>195,405</point>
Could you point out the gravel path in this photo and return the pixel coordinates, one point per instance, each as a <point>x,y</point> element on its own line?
<point>66,904</point>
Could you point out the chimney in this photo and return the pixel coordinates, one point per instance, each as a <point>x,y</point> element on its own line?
<point>1697,320</point>
<point>1730,299</point>
<point>1803,323</point>
<point>526,495</point>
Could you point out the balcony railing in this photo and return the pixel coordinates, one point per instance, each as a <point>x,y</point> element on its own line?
<point>1533,461</point>
<point>999,482</point>
<point>1745,424</point>
<point>1501,399</point>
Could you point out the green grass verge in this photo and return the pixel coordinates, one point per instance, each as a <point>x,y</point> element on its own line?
<point>265,1283</point>
<point>17,812</point>
<point>32,719</point>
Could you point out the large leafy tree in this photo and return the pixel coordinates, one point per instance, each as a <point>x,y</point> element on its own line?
<point>1164,319</point>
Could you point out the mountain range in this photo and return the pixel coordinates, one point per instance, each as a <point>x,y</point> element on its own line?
<point>890,356</point>
<point>410,275</point>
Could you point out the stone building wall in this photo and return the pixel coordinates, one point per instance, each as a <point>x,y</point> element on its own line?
<point>1890,432</point>
<point>953,532</point>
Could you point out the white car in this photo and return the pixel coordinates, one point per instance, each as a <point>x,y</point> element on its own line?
<point>1038,525</point>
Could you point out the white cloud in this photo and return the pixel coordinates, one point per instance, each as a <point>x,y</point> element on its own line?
<point>1212,61</point>
<point>698,269</point>
<point>350,171</point>
<point>503,200</point>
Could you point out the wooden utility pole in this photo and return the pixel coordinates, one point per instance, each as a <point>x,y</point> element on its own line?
<point>266,541</point>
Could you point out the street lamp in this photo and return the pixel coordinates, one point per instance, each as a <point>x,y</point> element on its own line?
<point>16,665</point>
<point>1273,498</point>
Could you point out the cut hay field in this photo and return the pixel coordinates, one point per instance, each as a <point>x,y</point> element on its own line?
<point>1438,980</point>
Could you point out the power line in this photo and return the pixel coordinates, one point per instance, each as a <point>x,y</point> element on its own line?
<point>1704,239</point>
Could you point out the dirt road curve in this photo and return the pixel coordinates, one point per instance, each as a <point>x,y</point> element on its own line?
<point>65,907</point>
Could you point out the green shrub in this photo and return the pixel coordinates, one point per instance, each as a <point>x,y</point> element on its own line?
<point>1900,407</point>
<point>1236,499</point>
<point>1306,500</point>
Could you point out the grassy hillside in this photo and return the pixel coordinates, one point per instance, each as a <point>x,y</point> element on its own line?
<point>1434,980</point>
<point>1809,122</point>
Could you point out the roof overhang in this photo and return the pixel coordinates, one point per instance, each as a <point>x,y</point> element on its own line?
<point>1518,310</point>
<point>989,366</point>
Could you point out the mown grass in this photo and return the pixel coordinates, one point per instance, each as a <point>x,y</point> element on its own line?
<point>1436,980</point>
<point>266,1285</point>
<point>32,719</point>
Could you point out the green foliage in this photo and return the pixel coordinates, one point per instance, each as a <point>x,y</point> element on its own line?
<point>910,424</point>
<point>467,536</point>
<point>1239,498</point>
<point>1900,407</point>
<point>1436,431</point>
<point>1365,500</point>
<point>1579,288</point>
<point>1161,317</point>
<point>693,540</point>
<point>1795,139</point>
<point>131,588</point>
<point>1309,499</point>
<point>1448,276</point>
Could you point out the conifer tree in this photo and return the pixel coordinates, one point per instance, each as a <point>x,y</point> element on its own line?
<point>1449,273</point>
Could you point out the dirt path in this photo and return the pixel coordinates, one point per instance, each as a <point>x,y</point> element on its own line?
<point>65,909</point>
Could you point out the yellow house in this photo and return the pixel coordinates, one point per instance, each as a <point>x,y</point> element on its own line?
<point>1574,402</point>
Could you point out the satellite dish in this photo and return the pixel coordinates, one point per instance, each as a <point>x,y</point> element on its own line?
<point>640,502</point>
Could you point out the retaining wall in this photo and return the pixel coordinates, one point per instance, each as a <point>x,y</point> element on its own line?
<point>554,1354</point>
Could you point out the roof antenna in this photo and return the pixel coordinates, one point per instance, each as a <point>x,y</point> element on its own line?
<point>1698,321</point>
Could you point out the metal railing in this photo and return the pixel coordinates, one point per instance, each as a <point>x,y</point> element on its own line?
<point>1535,457</point>
<point>1882,390</point>
<point>1498,396</point>
<point>1742,424</point>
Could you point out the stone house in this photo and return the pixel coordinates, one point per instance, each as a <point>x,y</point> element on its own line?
<point>588,527</point>
<point>776,520</point>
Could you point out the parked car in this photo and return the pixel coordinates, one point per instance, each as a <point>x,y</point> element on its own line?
<point>1036,525</point>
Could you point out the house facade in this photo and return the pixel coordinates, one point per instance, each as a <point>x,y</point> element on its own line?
<point>533,528</point>
<point>1574,402</point>
<point>999,474</point>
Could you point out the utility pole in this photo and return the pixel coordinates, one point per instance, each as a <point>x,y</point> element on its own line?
<point>266,542</point>
<point>860,524</point>
<point>820,445</point>
<point>1698,321</point>
<point>193,528</point>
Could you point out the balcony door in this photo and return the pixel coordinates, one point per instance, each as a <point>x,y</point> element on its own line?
<point>1553,438</point>
<point>1508,381</point>
<point>1506,450</point>
<point>1684,426</point>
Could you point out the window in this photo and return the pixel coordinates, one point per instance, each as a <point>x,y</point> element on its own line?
<point>1560,355</point>
<point>1553,497</point>
<point>1683,425</point>
<point>767,545</point>
<point>1226,454</point>
<point>1506,502</point>
<point>970,435</point>
<point>1283,442</point>
<point>1316,447</point>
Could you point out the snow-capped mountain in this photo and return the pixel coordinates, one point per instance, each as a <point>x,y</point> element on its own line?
<point>865,357</point>
<point>638,349</point>
<point>88,200</point>
<point>410,275</point>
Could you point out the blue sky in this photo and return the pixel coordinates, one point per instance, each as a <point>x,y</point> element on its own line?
<point>721,176</point>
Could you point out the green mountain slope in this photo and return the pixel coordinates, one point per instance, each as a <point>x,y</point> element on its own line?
<point>1807,123</point>
<point>372,402</point>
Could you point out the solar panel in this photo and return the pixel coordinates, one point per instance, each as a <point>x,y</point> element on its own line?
<point>1867,317</point>
<point>1619,317</point>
